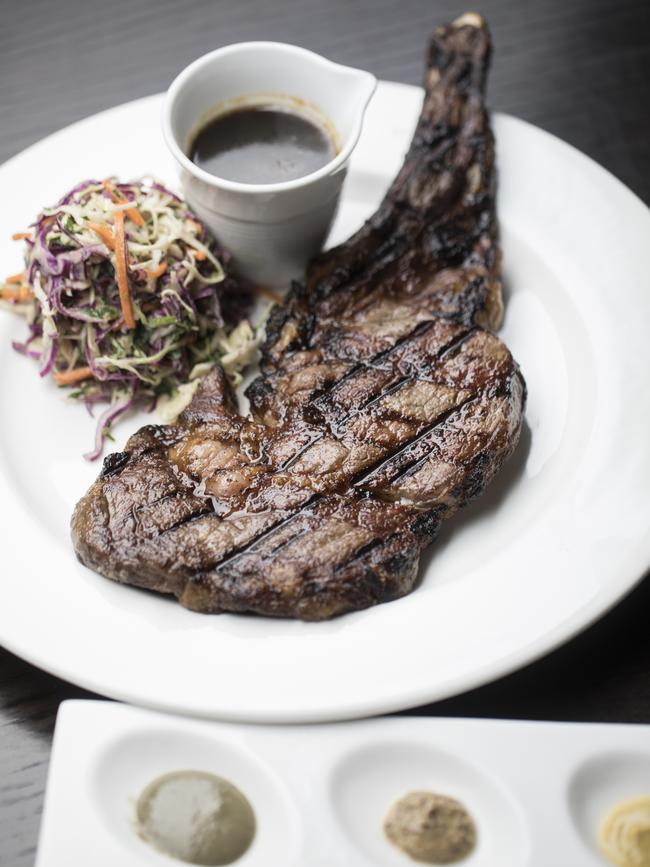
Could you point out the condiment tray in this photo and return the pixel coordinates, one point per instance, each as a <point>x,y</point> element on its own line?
<point>537,791</point>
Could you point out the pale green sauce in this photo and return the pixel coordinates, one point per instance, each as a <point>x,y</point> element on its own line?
<point>196,817</point>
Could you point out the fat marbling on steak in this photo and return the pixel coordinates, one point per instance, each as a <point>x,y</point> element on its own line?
<point>383,405</point>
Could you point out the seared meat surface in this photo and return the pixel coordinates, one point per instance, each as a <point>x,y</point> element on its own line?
<point>430,250</point>
<point>381,408</point>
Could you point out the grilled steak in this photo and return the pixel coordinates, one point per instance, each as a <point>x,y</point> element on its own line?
<point>383,404</point>
<point>430,250</point>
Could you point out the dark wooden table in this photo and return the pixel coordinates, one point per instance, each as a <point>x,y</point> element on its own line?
<point>579,68</point>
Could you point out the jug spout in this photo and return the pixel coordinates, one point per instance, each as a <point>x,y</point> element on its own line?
<point>353,89</point>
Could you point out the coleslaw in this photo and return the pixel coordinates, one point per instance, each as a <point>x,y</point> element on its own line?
<point>125,295</point>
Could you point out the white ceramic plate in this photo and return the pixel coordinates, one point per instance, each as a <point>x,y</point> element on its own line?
<point>559,537</point>
<point>536,791</point>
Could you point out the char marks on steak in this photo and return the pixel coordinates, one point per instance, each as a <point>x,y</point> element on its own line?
<point>382,406</point>
<point>430,250</point>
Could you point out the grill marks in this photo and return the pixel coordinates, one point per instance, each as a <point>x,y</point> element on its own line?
<point>387,403</point>
<point>403,458</point>
<point>187,519</point>
<point>406,454</point>
<point>396,465</point>
<point>382,406</point>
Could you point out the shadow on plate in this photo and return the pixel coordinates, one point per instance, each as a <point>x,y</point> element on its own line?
<point>490,501</point>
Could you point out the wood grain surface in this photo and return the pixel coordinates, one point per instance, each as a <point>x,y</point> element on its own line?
<point>578,68</point>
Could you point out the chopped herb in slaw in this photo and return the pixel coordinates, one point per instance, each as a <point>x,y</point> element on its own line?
<point>127,300</point>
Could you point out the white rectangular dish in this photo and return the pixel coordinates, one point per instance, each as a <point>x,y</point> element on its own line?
<point>537,791</point>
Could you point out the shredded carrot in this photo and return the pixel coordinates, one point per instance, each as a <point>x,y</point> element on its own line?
<point>117,197</point>
<point>16,278</point>
<point>199,255</point>
<point>154,273</point>
<point>70,377</point>
<point>265,292</point>
<point>121,270</point>
<point>104,233</point>
<point>21,236</point>
<point>20,293</point>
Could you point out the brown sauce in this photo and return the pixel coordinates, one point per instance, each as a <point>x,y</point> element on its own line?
<point>261,145</point>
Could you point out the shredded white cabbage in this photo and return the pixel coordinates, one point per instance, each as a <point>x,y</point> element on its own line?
<point>239,349</point>
<point>135,339</point>
<point>169,407</point>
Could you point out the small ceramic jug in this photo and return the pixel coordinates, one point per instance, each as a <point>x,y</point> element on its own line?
<point>271,229</point>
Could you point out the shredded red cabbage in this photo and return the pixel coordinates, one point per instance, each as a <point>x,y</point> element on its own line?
<point>77,328</point>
